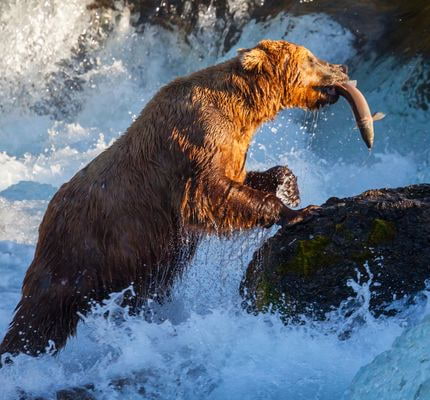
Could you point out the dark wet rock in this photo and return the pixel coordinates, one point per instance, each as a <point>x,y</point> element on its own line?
<point>24,396</point>
<point>185,15</point>
<point>383,235</point>
<point>133,383</point>
<point>136,380</point>
<point>77,393</point>
<point>84,392</point>
<point>397,25</point>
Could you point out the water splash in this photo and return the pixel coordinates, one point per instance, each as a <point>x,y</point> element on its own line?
<point>400,373</point>
<point>207,347</point>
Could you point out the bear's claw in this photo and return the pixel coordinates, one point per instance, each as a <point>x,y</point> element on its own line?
<point>288,190</point>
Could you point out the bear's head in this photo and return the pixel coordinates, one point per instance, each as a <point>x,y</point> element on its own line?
<point>297,77</point>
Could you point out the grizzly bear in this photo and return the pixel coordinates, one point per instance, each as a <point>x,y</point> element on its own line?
<point>134,215</point>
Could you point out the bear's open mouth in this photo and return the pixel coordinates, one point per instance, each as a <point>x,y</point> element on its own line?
<point>326,95</point>
<point>330,93</point>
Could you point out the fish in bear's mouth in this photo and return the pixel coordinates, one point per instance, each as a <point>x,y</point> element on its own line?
<point>359,106</point>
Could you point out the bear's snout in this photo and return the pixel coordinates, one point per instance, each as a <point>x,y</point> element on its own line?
<point>334,74</point>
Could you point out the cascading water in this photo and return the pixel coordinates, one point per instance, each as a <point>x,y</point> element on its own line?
<point>60,107</point>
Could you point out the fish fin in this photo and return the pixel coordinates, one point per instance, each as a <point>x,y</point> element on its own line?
<point>378,116</point>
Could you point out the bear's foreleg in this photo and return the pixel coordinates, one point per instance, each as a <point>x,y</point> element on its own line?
<point>278,180</point>
<point>227,205</point>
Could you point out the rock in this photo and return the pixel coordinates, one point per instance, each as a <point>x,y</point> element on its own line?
<point>28,190</point>
<point>77,393</point>
<point>394,26</point>
<point>135,382</point>
<point>73,393</point>
<point>384,235</point>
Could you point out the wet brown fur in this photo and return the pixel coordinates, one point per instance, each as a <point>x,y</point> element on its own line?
<point>134,214</point>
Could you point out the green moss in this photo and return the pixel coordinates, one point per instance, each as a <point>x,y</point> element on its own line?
<point>339,227</point>
<point>361,257</point>
<point>382,231</point>
<point>343,232</point>
<point>266,295</point>
<point>311,255</point>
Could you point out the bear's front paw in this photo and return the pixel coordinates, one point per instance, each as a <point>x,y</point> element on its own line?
<point>287,190</point>
<point>292,217</point>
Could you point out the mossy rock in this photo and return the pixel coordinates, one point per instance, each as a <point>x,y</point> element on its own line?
<point>310,255</point>
<point>382,231</point>
<point>305,269</point>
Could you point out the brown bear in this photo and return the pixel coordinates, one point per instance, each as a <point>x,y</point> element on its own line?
<point>133,216</point>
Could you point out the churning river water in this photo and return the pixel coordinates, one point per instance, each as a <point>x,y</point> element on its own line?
<point>59,110</point>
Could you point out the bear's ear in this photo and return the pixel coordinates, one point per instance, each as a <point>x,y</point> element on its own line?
<point>253,59</point>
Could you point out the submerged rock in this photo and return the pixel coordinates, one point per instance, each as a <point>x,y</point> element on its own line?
<point>77,393</point>
<point>73,393</point>
<point>382,235</point>
<point>133,383</point>
<point>28,190</point>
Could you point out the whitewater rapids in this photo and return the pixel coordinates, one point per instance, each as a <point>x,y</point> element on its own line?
<point>56,116</point>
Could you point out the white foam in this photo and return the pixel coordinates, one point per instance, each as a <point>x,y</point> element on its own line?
<point>35,36</point>
<point>332,42</point>
<point>224,353</point>
<point>402,372</point>
<point>208,348</point>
